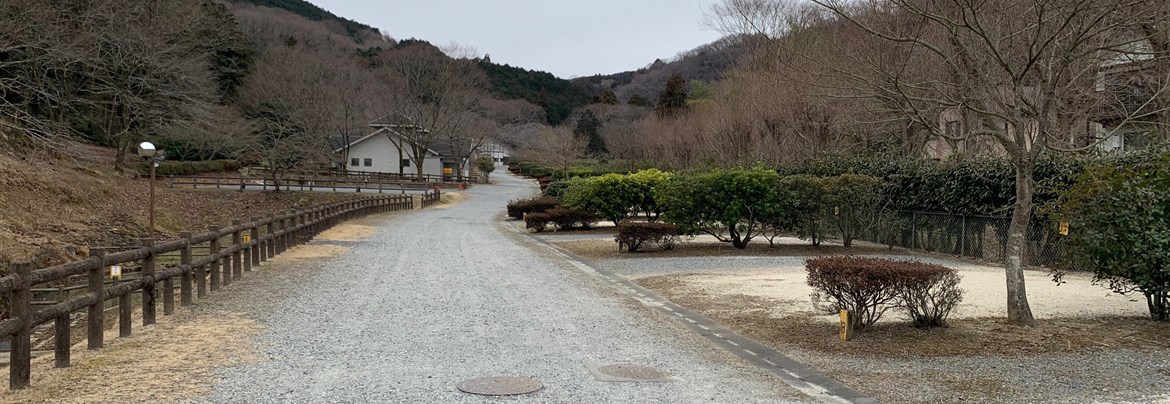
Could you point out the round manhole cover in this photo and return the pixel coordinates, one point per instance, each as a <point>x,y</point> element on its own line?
<point>633,371</point>
<point>500,386</point>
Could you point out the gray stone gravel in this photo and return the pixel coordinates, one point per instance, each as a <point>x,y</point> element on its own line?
<point>444,295</point>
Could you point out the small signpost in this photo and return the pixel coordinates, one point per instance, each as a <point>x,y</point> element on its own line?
<point>846,327</point>
<point>1064,228</point>
<point>247,238</point>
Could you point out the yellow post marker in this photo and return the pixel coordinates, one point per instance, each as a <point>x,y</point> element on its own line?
<point>247,238</point>
<point>115,272</point>
<point>1064,228</point>
<point>836,211</point>
<point>846,326</point>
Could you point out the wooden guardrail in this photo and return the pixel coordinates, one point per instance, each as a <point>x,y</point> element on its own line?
<point>368,185</point>
<point>228,257</point>
<point>368,176</point>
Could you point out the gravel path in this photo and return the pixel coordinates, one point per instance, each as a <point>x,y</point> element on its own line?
<point>440,296</point>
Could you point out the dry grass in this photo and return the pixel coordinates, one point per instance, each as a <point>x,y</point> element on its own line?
<point>56,206</point>
<point>890,339</point>
<point>170,361</point>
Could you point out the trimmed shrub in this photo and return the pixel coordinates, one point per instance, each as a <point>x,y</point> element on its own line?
<point>609,196</point>
<point>645,182</point>
<point>1119,217</point>
<point>536,221</point>
<point>633,235</point>
<point>856,205</point>
<point>517,209</point>
<point>557,189</point>
<point>869,287</point>
<point>566,219</point>
<point>730,205</point>
<point>178,168</point>
<point>928,293</point>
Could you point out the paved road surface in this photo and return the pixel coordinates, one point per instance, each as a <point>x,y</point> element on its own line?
<point>443,295</point>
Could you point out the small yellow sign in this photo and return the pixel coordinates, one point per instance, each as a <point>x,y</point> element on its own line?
<point>247,238</point>
<point>846,327</point>
<point>116,272</point>
<point>448,171</point>
<point>836,211</point>
<point>1064,228</point>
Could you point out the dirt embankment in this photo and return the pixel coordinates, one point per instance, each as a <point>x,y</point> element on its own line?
<point>56,207</point>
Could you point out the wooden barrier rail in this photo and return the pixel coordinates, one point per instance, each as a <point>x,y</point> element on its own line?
<point>379,186</point>
<point>225,262</point>
<point>369,176</point>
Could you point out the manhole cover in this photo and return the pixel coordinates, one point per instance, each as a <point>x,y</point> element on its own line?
<point>628,372</point>
<point>500,386</point>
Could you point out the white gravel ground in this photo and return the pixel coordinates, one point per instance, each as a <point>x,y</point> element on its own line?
<point>440,296</point>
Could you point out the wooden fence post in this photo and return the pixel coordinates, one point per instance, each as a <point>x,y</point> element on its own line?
<point>185,278</point>
<point>125,314</point>
<point>20,306</point>
<point>149,287</point>
<point>257,247</point>
<point>270,243</point>
<point>62,340</point>
<point>238,256</point>
<point>213,252</point>
<point>96,320</point>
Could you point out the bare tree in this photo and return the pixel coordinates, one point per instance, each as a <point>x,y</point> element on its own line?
<point>558,147</point>
<point>437,94</point>
<point>1024,73</point>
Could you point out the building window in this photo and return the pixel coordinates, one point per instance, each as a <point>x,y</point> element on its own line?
<point>368,162</point>
<point>405,163</point>
<point>353,161</point>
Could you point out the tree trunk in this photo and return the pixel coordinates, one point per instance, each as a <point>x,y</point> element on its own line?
<point>737,240</point>
<point>1019,312</point>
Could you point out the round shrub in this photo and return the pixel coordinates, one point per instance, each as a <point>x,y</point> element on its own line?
<point>869,287</point>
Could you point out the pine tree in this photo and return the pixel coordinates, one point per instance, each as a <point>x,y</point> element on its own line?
<point>673,99</point>
<point>589,127</point>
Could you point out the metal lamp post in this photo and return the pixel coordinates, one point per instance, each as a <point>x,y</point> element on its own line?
<point>147,151</point>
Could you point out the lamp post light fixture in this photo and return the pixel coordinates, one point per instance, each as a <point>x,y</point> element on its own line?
<point>148,152</point>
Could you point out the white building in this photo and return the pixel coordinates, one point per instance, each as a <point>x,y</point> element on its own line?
<point>386,151</point>
<point>497,152</point>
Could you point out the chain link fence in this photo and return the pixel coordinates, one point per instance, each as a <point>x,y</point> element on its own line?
<point>980,237</point>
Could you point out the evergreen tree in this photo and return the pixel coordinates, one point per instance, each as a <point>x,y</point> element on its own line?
<point>608,97</point>
<point>673,99</point>
<point>589,128</point>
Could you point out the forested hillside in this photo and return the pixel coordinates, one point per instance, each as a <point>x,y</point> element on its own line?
<point>312,12</point>
<point>708,63</point>
<point>557,96</point>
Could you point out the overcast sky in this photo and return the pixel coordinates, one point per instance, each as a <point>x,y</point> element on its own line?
<point>568,38</point>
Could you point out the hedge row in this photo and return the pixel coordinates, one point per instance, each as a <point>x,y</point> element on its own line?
<point>517,209</point>
<point>563,219</point>
<point>616,196</point>
<point>179,168</point>
<point>869,287</point>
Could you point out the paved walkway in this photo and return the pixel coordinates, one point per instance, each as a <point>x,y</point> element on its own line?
<point>443,295</point>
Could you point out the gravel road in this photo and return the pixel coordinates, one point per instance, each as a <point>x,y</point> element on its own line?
<point>447,294</point>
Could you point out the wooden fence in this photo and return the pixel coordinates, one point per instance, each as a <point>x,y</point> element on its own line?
<point>231,251</point>
<point>301,184</point>
<point>431,198</point>
<point>367,176</point>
